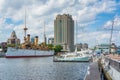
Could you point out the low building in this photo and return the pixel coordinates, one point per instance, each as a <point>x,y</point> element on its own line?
<point>79,47</point>
<point>107,48</point>
<point>82,46</point>
<point>3,46</point>
<point>85,46</point>
<point>113,48</point>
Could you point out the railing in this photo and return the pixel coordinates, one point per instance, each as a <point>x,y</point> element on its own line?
<point>115,64</point>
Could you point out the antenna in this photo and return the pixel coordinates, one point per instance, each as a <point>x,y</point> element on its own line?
<point>25,28</point>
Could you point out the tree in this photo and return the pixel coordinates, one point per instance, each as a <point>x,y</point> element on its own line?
<point>10,45</point>
<point>58,48</point>
<point>13,45</point>
<point>50,46</point>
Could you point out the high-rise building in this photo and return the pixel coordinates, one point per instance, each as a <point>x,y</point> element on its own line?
<point>13,39</point>
<point>64,31</point>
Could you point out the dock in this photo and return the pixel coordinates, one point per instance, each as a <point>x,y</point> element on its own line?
<point>93,72</point>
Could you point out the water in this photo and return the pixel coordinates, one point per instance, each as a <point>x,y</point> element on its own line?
<point>41,69</point>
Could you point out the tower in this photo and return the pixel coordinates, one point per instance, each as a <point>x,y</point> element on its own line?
<point>64,31</point>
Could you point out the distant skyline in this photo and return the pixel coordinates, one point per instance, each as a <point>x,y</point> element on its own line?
<point>92,17</point>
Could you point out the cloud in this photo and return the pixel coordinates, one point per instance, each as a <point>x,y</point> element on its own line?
<point>95,7</point>
<point>40,11</point>
<point>115,22</point>
<point>1,4</point>
<point>97,37</point>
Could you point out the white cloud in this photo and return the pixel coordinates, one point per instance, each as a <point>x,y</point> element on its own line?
<point>115,22</point>
<point>97,37</point>
<point>1,3</point>
<point>93,8</point>
<point>40,11</point>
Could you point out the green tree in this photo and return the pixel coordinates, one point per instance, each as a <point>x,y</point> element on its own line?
<point>58,48</point>
<point>10,45</point>
<point>50,46</point>
<point>13,45</point>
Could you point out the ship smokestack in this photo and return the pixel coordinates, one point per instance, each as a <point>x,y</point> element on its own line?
<point>28,38</point>
<point>36,40</point>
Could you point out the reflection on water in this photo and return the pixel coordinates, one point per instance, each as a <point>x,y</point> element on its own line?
<point>41,69</point>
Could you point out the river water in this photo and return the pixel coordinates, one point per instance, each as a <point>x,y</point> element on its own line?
<point>42,68</point>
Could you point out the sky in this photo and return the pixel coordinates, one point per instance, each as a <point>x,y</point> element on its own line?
<point>94,19</point>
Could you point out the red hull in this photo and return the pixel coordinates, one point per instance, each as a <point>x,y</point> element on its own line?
<point>27,56</point>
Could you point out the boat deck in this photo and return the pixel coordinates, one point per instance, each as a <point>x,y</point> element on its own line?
<point>93,73</point>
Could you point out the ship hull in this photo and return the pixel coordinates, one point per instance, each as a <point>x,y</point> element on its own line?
<point>25,53</point>
<point>27,56</point>
<point>72,59</point>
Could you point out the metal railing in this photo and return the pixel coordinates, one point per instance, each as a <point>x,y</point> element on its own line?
<point>115,64</point>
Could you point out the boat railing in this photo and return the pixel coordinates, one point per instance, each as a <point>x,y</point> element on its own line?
<point>115,64</point>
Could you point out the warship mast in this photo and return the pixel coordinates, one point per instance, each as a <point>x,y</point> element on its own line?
<point>44,34</point>
<point>25,28</point>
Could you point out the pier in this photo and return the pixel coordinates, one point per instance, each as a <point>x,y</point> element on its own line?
<point>93,72</point>
<point>98,71</point>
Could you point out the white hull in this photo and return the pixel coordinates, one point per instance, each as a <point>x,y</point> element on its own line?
<point>72,59</point>
<point>12,52</point>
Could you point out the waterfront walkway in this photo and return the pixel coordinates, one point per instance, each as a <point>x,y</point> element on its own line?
<point>93,72</point>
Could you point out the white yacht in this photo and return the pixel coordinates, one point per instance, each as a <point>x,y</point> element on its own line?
<point>77,56</point>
